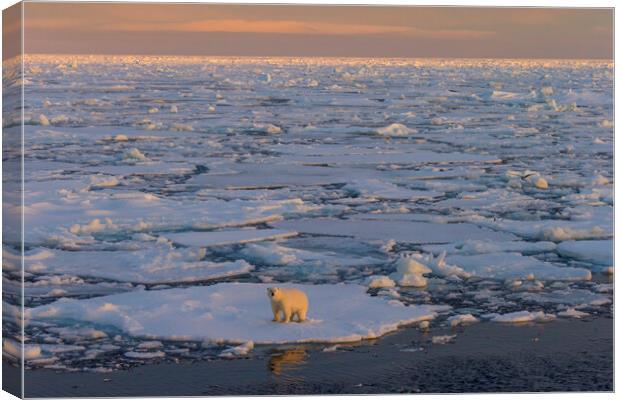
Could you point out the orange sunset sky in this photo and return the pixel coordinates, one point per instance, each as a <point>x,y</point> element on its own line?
<point>348,31</point>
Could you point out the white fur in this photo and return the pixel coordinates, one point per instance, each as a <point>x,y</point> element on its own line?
<point>289,302</point>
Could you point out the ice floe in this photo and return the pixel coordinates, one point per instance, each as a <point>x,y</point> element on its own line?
<point>375,188</point>
<point>585,224</point>
<point>279,255</point>
<point>523,316</point>
<point>75,220</point>
<point>594,251</point>
<point>566,296</point>
<point>240,313</point>
<point>410,272</point>
<point>160,262</point>
<point>396,130</point>
<point>401,231</point>
<point>572,313</point>
<point>471,247</point>
<point>514,265</point>
<point>443,339</point>
<point>379,281</point>
<point>462,319</point>
<point>221,238</point>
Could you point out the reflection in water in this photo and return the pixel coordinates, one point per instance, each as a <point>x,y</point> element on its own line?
<point>287,359</point>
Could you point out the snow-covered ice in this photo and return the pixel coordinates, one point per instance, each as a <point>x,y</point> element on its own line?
<point>380,281</point>
<point>572,313</point>
<point>410,272</point>
<point>523,316</point>
<point>514,265</point>
<point>462,319</point>
<point>401,231</point>
<point>158,262</point>
<point>239,313</point>
<point>443,339</point>
<point>275,254</point>
<point>594,251</point>
<point>483,184</point>
<point>472,247</point>
<point>564,296</point>
<point>395,129</point>
<point>220,238</point>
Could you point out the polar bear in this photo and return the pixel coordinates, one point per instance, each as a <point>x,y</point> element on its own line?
<point>289,301</point>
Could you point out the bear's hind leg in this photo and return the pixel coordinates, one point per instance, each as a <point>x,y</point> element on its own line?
<point>301,315</point>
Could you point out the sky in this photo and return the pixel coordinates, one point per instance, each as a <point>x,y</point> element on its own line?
<point>339,31</point>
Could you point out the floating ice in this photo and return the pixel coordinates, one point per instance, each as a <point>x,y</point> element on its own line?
<point>396,130</point>
<point>438,265</point>
<point>73,220</point>
<point>511,96</point>
<point>220,238</point>
<point>375,188</point>
<point>96,225</point>
<point>43,120</point>
<point>62,348</point>
<point>379,281</point>
<point>531,178</point>
<point>565,296</point>
<point>237,351</point>
<point>515,266</point>
<point>444,339</point>
<point>523,316</point>
<point>471,247</point>
<point>103,182</point>
<point>410,272</point>
<point>158,263</point>
<point>145,354</point>
<point>239,313</point>
<point>331,349</point>
<point>594,251</point>
<point>358,183</point>
<point>462,319</point>
<point>14,349</point>
<point>134,156</point>
<point>594,225</point>
<point>492,200</point>
<point>151,344</point>
<point>417,157</point>
<point>73,334</point>
<point>572,313</point>
<point>400,231</point>
<point>275,254</point>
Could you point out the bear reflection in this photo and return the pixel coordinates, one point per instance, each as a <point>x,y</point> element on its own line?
<point>287,359</point>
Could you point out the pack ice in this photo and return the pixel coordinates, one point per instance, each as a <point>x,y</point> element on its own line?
<point>384,188</point>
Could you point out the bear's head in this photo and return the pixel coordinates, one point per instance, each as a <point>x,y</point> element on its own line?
<point>274,293</point>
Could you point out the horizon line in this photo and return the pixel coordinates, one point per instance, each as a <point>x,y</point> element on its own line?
<point>309,56</point>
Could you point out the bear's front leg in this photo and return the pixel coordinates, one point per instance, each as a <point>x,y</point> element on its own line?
<point>287,316</point>
<point>276,313</point>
